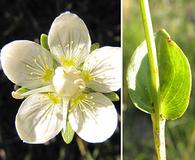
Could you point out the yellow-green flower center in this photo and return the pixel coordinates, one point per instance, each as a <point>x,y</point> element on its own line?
<point>67,62</point>
<point>54,98</point>
<point>48,74</point>
<point>87,76</point>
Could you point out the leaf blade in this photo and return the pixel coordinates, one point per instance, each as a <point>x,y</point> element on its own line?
<point>174,89</point>
<point>174,75</point>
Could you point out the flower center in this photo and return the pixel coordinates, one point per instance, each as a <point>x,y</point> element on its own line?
<point>67,81</point>
<point>54,98</point>
<point>67,62</point>
<point>87,76</point>
<point>48,72</point>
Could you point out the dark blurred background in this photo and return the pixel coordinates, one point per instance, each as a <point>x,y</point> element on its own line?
<point>178,18</point>
<point>28,19</point>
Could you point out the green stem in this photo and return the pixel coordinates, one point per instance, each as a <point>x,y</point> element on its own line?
<point>81,146</point>
<point>84,152</point>
<point>157,121</point>
<point>158,124</point>
<point>151,48</point>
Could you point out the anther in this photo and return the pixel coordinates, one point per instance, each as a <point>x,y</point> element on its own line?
<point>91,97</point>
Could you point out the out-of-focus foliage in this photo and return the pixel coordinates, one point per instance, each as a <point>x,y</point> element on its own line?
<point>178,18</point>
<point>28,19</point>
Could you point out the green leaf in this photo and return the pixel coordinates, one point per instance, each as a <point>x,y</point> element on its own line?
<point>68,134</point>
<point>174,75</point>
<point>44,41</point>
<point>95,46</point>
<point>139,79</point>
<point>112,96</point>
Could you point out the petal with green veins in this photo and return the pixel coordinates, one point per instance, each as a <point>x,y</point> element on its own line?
<point>40,118</point>
<point>27,64</point>
<point>93,118</point>
<point>102,69</point>
<point>69,39</point>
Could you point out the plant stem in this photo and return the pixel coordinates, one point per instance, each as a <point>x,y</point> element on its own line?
<point>81,146</point>
<point>157,121</point>
<point>151,48</point>
<point>158,124</point>
<point>84,152</point>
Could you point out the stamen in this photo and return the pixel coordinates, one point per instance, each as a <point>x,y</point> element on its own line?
<point>91,97</point>
<point>33,68</point>
<point>38,64</point>
<point>86,75</point>
<point>98,81</point>
<point>40,71</point>
<point>67,61</point>
<point>67,45</point>
<point>87,110</point>
<point>80,83</point>
<point>84,102</point>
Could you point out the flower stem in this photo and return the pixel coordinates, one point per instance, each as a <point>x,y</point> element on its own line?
<point>157,121</point>
<point>84,152</point>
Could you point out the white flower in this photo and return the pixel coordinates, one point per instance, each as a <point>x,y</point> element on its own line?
<point>59,93</point>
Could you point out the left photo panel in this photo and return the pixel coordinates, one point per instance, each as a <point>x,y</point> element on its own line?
<point>61,78</point>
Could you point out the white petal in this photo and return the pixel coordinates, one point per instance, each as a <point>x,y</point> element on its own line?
<point>69,39</point>
<point>104,68</point>
<point>39,120</point>
<point>95,119</point>
<point>26,63</point>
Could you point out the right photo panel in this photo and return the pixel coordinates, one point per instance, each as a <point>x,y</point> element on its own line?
<point>158,69</point>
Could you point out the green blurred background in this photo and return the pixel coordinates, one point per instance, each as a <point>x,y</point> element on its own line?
<point>178,18</point>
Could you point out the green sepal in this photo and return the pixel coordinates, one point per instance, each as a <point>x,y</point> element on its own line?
<point>95,46</point>
<point>174,75</point>
<point>22,90</point>
<point>68,134</point>
<point>44,41</point>
<point>112,96</point>
<point>18,93</point>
